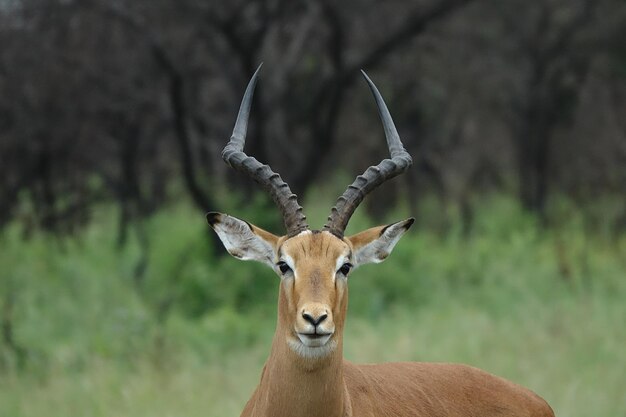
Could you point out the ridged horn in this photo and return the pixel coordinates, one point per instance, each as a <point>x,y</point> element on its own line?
<point>373,176</point>
<point>287,202</point>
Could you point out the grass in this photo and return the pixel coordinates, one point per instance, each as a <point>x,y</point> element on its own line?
<point>543,308</point>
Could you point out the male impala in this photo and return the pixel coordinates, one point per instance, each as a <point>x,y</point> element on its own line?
<point>305,374</point>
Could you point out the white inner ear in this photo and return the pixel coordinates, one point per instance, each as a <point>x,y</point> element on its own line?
<point>379,249</point>
<point>241,242</point>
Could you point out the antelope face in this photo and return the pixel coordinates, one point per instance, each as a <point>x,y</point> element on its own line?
<point>313,267</point>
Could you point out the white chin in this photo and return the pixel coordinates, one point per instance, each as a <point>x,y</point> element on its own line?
<point>312,348</point>
<point>313,342</point>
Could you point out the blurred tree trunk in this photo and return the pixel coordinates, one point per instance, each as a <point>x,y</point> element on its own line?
<point>7,323</point>
<point>329,99</point>
<point>175,92</point>
<point>534,149</point>
<point>558,67</point>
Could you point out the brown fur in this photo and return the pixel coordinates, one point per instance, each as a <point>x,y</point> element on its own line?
<point>293,385</point>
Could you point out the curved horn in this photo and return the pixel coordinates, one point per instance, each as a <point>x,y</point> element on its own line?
<point>373,176</point>
<point>233,155</point>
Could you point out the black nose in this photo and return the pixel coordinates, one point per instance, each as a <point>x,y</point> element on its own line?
<point>314,320</point>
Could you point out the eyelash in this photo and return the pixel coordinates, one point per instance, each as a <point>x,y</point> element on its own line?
<point>283,267</point>
<point>345,268</point>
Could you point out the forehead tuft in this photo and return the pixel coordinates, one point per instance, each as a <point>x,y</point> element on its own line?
<point>314,245</point>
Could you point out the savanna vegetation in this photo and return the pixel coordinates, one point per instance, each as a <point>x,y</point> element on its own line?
<point>543,308</point>
<point>116,299</point>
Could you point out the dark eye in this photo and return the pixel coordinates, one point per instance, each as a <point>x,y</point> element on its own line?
<point>345,268</point>
<point>284,268</point>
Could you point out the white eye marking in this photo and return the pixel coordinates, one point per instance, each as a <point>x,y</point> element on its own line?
<point>290,263</point>
<point>341,260</point>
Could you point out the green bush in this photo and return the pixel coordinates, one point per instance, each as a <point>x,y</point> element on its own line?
<point>80,308</point>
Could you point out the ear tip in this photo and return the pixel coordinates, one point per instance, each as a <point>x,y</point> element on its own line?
<point>213,217</point>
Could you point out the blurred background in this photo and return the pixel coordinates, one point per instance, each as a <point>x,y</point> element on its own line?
<point>115,297</point>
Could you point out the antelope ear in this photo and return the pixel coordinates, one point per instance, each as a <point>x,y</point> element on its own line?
<point>244,240</point>
<point>375,244</point>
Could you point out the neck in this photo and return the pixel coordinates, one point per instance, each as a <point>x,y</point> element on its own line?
<point>292,385</point>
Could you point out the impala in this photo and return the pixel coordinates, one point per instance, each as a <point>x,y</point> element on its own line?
<point>305,374</point>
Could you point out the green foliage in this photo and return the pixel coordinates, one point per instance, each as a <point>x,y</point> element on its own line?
<point>188,335</point>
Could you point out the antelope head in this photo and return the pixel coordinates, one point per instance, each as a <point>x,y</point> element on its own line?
<point>313,265</point>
